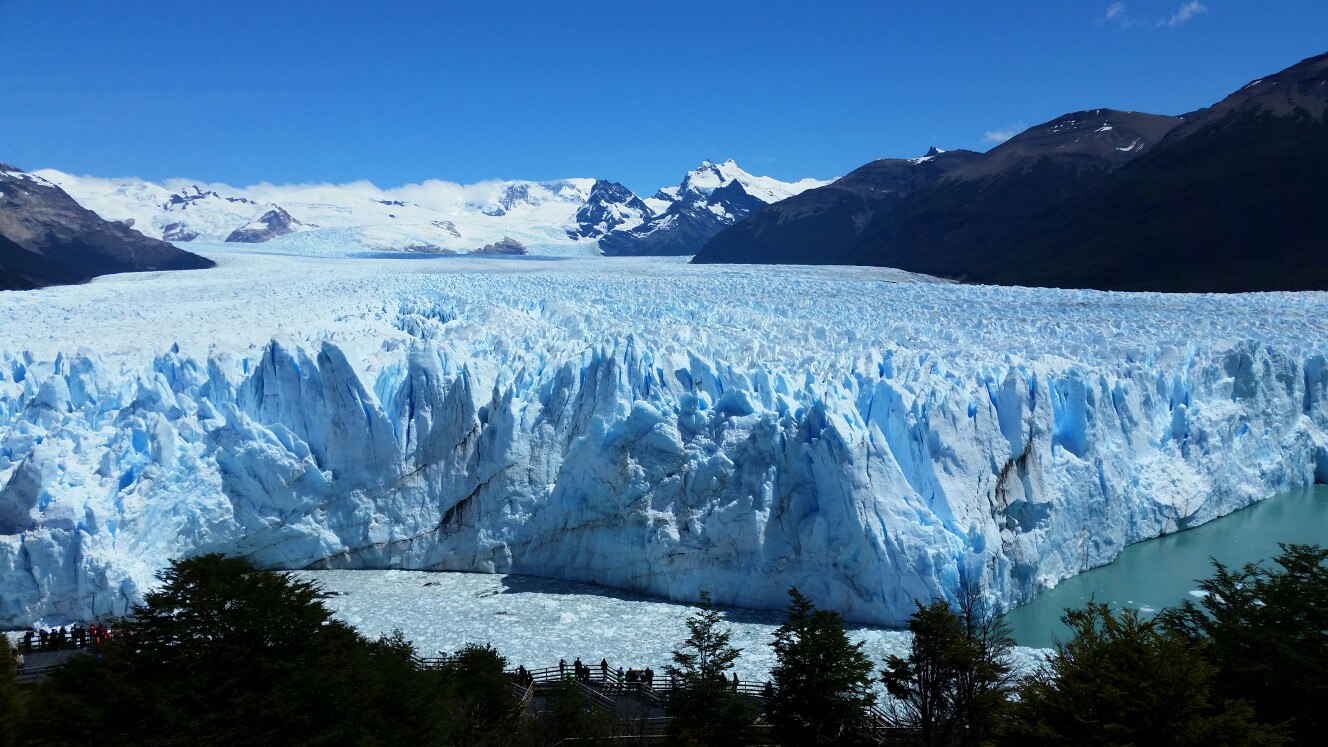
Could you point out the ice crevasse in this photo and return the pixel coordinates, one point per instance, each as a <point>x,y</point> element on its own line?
<point>635,462</point>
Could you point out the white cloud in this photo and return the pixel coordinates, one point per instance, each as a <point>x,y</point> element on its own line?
<point>1187,11</point>
<point>1000,136</point>
<point>1117,15</point>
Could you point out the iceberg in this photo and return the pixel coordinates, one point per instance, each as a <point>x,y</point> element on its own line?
<point>866,435</point>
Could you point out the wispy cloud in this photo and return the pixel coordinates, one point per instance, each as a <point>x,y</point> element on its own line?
<point>1187,11</point>
<point>1118,15</point>
<point>1001,135</point>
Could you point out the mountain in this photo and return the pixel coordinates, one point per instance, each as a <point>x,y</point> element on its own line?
<point>815,226</point>
<point>270,225</point>
<point>573,217</point>
<point>1234,199</point>
<point>709,199</point>
<point>319,219</point>
<point>609,207</point>
<point>928,213</point>
<point>46,238</point>
<point>1225,199</point>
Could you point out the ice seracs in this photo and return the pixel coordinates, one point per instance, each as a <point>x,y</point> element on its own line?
<point>643,424</point>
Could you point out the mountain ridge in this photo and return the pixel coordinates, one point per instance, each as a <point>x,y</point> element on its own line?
<point>1226,199</point>
<point>48,238</point>
<point>558,217</point>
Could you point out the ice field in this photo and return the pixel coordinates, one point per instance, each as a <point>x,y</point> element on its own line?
<point>646,425</point>
<point>537,621</point>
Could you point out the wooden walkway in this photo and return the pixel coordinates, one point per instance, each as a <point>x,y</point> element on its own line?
<point>639,707</point>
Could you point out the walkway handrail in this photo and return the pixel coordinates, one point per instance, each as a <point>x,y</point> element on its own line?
<point>596,697</point>
<point>32,675</point>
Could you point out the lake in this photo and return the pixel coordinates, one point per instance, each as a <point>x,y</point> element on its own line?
<point>1161,572</point>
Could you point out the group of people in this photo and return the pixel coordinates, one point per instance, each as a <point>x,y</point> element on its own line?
<point>631,678</point>
<point>583,673</point>
<point>75,636</point>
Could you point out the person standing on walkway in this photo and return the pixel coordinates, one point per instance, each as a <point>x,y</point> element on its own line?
<point>562,669</point>
<point>604,670</point>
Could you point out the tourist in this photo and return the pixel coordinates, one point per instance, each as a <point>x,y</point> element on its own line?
<point>562,669</point>
<point>650,677</point>
<point>604,670</point>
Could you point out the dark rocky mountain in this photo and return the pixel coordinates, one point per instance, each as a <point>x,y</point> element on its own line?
<point>943,228</point>
<point>46,238</point>
<point>929,212</point>
<point>1234,199</point>
<point>504,246</point>
<point>608,206</point>
<point>193,195</point>
<point>1229,198</point>
<point>817,226</point>
<point>710,198</point>
<point>275,222</point>
<point>177,231</point>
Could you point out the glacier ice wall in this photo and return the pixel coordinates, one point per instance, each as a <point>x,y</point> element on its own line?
<point>633,461</point>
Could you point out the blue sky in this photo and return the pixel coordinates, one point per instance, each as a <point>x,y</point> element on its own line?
<point>397,92</point>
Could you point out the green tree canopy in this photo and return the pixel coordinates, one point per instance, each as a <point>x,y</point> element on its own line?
<point>953,686</point>
<point>705,707</point>
<point>822,680</point>
<point>223,654</point>
<point>1266,631</point>
<point>1123,680</point>
<point>11,703</point>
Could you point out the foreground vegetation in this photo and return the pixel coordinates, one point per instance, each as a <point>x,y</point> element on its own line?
<point>222,653</point>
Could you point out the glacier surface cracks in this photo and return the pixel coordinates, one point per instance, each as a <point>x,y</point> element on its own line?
<point>643,425</point>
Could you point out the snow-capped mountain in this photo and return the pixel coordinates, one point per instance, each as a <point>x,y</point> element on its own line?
<point>561,217</point>
<point>47,238</point>
<point>710,198</point>
<point>275,223</point>
<point>610,207</point>
<point>434,216</point>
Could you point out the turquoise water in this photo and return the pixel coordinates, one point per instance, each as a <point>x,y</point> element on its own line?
<point>1161,572</point>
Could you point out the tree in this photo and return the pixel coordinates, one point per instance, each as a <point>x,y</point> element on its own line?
<point>1266,632</point>
<point>478,704</point>
<point>985,685</point>
<point>569,715</point>
<point>11,703</point>
<point>822,681</point>
<point>222,653</point>
<point>954,683</point>
<point>1123,680</point>
<point>705,707</point>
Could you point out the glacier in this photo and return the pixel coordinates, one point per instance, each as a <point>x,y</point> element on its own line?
<point>867,435</point>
